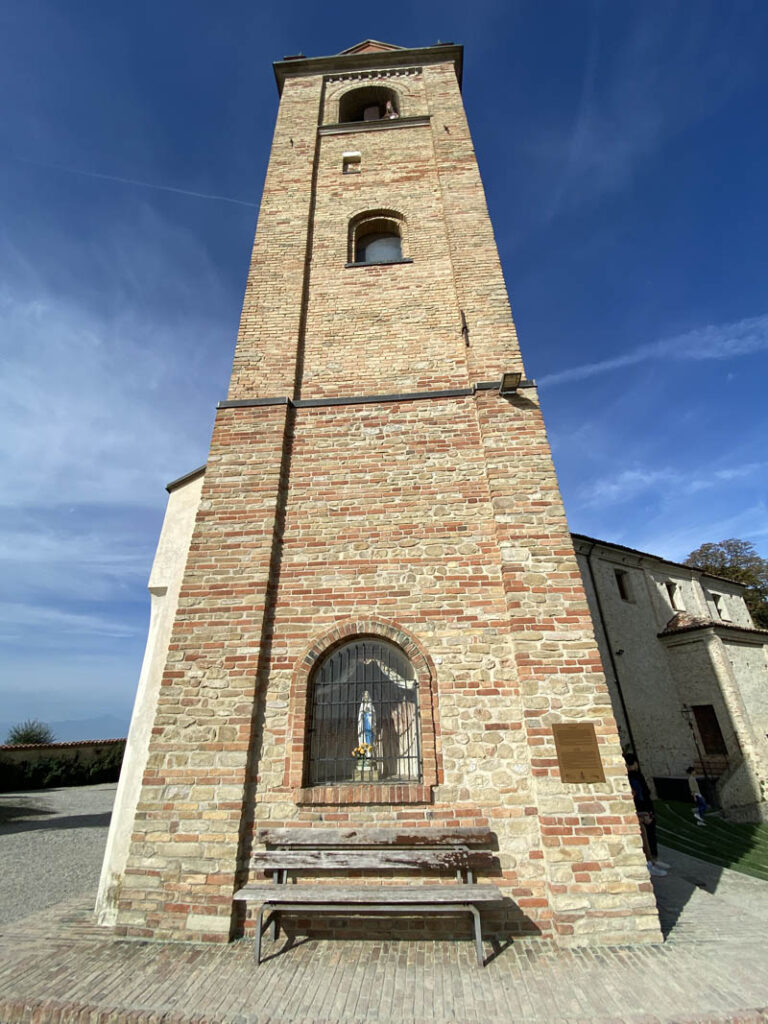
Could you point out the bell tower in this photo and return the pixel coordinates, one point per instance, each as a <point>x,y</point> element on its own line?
<point>379,557</point>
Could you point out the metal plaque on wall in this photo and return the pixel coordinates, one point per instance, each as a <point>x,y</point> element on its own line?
<point>577,752</point>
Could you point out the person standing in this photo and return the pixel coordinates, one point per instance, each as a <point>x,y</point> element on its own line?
<point>698,799</point>
<point>641,794</point>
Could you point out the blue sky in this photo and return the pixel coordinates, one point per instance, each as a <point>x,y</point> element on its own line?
<point>624,153</point>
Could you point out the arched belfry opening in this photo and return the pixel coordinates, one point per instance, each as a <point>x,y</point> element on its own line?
<point>369,103</point>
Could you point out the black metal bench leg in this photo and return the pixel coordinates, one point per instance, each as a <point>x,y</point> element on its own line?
<point>275,926</point>
<point>478,936</point>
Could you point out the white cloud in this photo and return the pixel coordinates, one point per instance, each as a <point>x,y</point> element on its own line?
<point>726,475</point>
<point>16,619</point>
<point>106,385</point>
<point>86,684</point>
<point>55,556</point>
<point>662,76</point>
<point>44,546</point>
<point>629,484</point>
<point>625,485</point>
<point>675,540</point>
<point>91,409</point>
<point>111,348</point>
<point>712,342</point>
<point>144,184</point>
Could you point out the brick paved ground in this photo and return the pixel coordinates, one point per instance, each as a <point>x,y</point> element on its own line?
<point>59,967</point>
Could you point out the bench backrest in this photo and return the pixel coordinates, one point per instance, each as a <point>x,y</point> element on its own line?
<point>365,849</point>
<point>414,859</point>
<point>376,838</point>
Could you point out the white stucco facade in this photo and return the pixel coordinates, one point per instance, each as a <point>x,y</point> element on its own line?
<point>164,585</point>
<point>687,672</point>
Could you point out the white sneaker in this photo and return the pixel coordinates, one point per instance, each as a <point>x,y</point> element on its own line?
<point>700,822</point>
<point>654,870</point>
<point>662,864</point>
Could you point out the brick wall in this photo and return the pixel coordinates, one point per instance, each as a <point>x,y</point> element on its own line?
<point>435,522</point>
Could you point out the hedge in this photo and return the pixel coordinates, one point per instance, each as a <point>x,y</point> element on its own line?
<point>50,772</point>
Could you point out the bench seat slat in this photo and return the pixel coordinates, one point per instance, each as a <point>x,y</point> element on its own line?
<point>366,859</point>
<point>369,895</point>
<point>390,837</point>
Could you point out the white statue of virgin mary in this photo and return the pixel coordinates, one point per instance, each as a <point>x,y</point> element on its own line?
<point>366,720</point>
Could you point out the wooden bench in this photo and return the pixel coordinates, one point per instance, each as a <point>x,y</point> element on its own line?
<point>292,850</point>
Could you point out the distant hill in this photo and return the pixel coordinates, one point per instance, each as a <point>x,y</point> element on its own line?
<point>106,727</point>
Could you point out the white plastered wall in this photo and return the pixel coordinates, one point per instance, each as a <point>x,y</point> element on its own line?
<point>164,586</point>
<point>741,669</point>
<point>659,676</point>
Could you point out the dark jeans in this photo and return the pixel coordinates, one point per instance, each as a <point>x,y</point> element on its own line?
<point>650,831</point>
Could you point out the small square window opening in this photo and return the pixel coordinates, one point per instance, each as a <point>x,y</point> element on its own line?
<point>674,596</point>
<point>351,163</point>
<point>720,607</point>
<point>623,584</point>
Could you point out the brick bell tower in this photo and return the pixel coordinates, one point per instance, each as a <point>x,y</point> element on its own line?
<point>379,521</point>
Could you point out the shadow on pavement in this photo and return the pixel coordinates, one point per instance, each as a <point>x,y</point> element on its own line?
<point>11,812</point>
<point>9,825</point>
<point>673,893</point>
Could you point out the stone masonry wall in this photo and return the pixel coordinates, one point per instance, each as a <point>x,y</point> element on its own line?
<point>436,522</point>
<point>181,867</point>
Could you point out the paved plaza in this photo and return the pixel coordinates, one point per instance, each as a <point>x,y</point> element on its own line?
<point>57,966</point>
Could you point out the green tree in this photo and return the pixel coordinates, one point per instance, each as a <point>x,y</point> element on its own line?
<point>738,560</point>
<point>31,731</point>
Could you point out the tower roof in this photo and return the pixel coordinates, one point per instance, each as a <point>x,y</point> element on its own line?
<point>368,55</point>
<point>370,46</point>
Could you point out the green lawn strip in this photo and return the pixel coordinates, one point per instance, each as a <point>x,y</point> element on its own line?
<point>674,815</point>
<point>719,835</point>
<point>714,851</point>
<point>740,869</point>
<point>737,841</point>
<point>743,848</point>
<point>756,845</point>
<point>736,863</point>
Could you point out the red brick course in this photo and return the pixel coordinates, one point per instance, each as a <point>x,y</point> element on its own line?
<point>436,524</point>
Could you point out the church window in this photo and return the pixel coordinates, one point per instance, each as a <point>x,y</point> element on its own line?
<point>376,237</point>
<point>369,103</point>
<point>351,163</point>
<point>378,246</point>
<point>674,596</point>
<point>364,716</point>
<point>720,607</point>
<point>623,584</point>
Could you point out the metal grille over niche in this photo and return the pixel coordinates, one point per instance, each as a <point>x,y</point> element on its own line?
<point>364,716</point>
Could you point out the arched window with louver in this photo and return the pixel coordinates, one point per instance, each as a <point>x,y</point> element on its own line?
<point>376,237</point>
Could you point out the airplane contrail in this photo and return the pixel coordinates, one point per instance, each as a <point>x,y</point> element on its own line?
<point>141,184</point>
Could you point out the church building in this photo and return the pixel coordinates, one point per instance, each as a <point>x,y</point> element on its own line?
<point>687,672</point>
<point>376,553</point>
